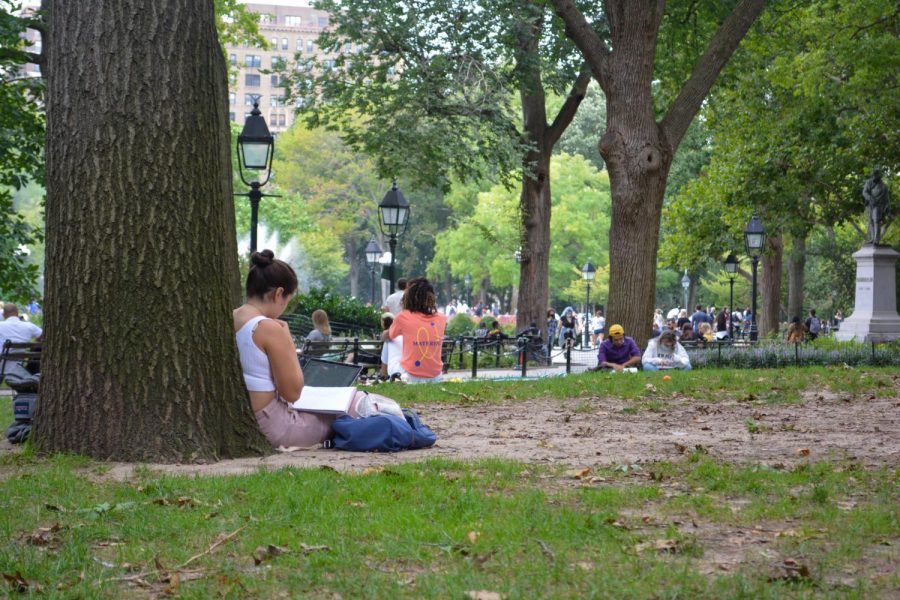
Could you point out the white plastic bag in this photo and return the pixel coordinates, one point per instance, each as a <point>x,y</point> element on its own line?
<point>373,404</point>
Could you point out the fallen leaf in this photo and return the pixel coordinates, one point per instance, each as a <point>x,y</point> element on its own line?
<point>16,582</point>
<point>264,553</point>
<point>579,473</point>
<point>803,451</point>
<point>789,570</point>
<point>370,470</point>
<point>356,503</point>
<point>664,545</point>
<point>584,566</point>
<point>484,595</point>
<point>786,533</point>
<point>174,582</point>
<point>473,536</point>
<point>54,508</point>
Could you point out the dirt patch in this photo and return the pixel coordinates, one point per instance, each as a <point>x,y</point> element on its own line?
<point>594,432</point>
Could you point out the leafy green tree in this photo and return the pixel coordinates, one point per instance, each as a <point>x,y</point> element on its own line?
<point>427,88</point>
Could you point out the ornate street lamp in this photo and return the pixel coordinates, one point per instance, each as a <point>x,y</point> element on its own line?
<point>587,273</point>
<point>373,254</point>
<point>518,255</point>
<point>686,284</point>
<point>255,150</point>
<point>754,239</point>
<point>394,211</point>
<point>731,266</point>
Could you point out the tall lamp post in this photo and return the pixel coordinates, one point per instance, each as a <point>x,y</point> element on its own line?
<point>394,211</point>
<point>518,255</point>
<point>731,265</point>
<point>587,273</point>
<point>256,147</point>
<point>373,253</point>
<point>686,284</point>
<point>754,239</point>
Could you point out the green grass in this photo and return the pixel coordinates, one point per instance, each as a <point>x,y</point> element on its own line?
<point>439,529</point>
<point>768,386</point>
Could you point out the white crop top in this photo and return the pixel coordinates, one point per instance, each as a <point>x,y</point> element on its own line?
<point>254,362</point>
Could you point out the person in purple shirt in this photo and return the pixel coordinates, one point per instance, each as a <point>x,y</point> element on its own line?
<point>618,351</point>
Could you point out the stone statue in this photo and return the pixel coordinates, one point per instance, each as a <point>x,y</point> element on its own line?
<point>878,202</point>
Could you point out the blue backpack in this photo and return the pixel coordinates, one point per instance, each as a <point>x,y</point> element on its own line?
<point>382,433</point>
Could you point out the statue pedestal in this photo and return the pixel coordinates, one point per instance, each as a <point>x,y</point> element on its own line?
<point>874,317</point>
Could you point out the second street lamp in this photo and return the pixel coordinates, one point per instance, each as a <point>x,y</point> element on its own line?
<point>587,273</point>
<point>686,284</point>
<point>255,149</point>
<point>373,254</point>
<point>394,211</point>
<point>754,239</point>
<point>731,265</point>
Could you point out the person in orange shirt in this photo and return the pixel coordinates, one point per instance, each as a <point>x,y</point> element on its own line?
<point>422,328</point>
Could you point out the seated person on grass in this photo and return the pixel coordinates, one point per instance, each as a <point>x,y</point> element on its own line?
<point>618,351</point>
<point>391,350</point>
<point>422,328</point>
<point>664,352</point>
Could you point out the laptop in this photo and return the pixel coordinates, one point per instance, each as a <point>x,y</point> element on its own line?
<point>327,373</point>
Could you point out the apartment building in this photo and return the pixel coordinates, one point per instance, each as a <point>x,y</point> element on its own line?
<point>291,27</point>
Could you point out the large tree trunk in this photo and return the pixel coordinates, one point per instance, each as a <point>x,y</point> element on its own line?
<point>796,267</point>
<point>140,361</point>
<point>637,150</point>
<point>770,286</point>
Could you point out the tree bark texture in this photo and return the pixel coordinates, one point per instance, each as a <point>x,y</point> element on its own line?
<point>796,267</point>
<point>770,286</point>
<point>637,150</point>
<point>140,360</point>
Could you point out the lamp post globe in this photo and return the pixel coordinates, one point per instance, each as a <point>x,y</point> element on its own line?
<point>518,256</point>
<point>255,150</point>
<point>394,211</point>
<point>731,265</point>
<point>754,240</point>
<point>686,284</point>
<point>587,273</point>
<point>373,254</point>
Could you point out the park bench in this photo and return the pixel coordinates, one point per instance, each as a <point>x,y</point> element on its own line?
<point>19,357</point>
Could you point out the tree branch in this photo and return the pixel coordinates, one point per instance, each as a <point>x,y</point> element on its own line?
<point>583,35</point>
<point>570,106</point>
<point>707,68</point>
<point>20,56</point>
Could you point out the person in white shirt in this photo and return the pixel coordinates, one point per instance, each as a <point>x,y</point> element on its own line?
<point>664,352</point>
<point>14,329</point>
<point>394,302</point>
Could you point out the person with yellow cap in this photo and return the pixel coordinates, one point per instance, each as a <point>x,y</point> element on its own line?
<point>618,351</point>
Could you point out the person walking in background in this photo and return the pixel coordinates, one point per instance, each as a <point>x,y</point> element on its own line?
<point>321,327</point>
<point>682,319</point>
<point>422,328</point>
<point>722,325</point>
<point>552,325</point>
<point>568,327</point>
<point>796,333</point>
<point>698,317</point>
<point>598,323</point>
<point>813,324</point>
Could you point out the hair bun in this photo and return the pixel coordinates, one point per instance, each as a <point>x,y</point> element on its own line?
<point>262,259</point>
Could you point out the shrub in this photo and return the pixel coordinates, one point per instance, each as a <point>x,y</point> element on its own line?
<point>780,354</point>
<point>341,309</point>
<point>459,325</point>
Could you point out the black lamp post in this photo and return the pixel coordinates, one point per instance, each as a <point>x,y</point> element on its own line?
<point>468,281</point>
<point>256,147</point>
<point>587,273</point>
<point>731,265</point>
<point>754,239</point>
<point>686,284</point>
<point>394,211</point>
<point>373,253</point>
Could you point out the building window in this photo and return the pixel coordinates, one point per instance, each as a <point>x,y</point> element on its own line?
<point>267,18</point>
<point>232,58</point>
<point>299,44</point>
<point>323,21</point>
<point>278,62</point>
<point>276,101</point>
<point>274,43</point>
<point>329,64</point>
<point>281,120</point>
<point>251,80</point>
<point>252,60</point>
<point>231,116</point>
<point>310,46</point>
<point>232,98</point>
<point>250,98</point>
<point>277,80</point>
<point>348,47</point>
<point>293,21</point>
<point>284,43</point>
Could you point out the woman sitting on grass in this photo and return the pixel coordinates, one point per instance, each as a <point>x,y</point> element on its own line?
<point>422,328</point>
<point>664,352</point>
<point>269,358</point>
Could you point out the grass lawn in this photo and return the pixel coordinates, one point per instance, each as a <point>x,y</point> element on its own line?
<point>695,527</point>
